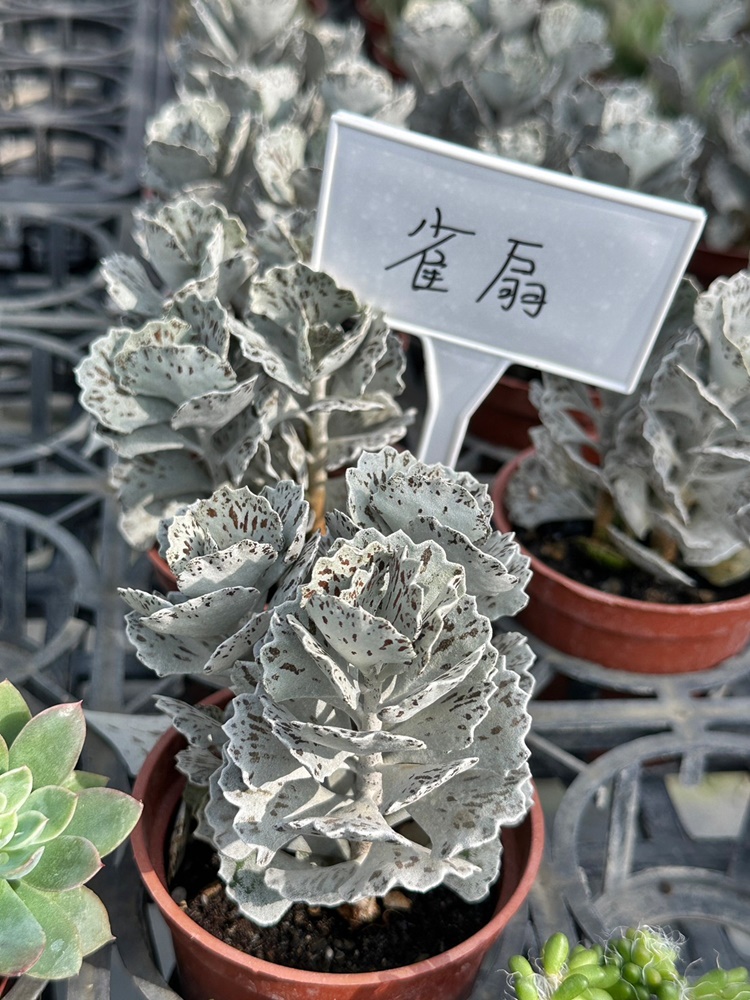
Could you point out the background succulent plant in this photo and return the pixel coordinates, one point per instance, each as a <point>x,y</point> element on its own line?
<point>285,376</point>
<point>638,961</point>
<point>250,120</point>
<point>614,133</point>
<point>485,69</point>
<point>701,67</point>
<point>670,460</point>
<point>234,362</point>
<point>694,57</point>
<point>372,706</point>
<point>56,824</point>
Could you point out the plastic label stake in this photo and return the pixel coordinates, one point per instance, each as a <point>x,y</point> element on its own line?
<point>457,381</point>
<point>492,262</point>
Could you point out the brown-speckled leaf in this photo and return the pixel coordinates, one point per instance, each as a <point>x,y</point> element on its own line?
<point>216,614</point>
<point>176,373</point>
<point>164,654</point>
<point>294,662</point>
<point>130,286</point>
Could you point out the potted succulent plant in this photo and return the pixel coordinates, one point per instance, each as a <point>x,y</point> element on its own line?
<point>661,486</point>
<point>234,362</point>
<point>371,747</point>
<point>56,824</point>
<point>241,377</point>
<point>637,962</point>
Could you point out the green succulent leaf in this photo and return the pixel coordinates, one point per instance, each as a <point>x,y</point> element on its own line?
<point>67,862</point>
<point>14,712</point>
<point>86,912</point>
<point>105,817</point>
<point>57,804</point>
<point>30,826</point>
<point>61,727</point>
<point>62,955</point>
<point>8,826</point>
<point>17,864</point>
<point>79,780</point>
<point>15,788</point>
<point>22,938</point>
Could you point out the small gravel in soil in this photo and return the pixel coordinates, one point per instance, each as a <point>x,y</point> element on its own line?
<point>319,939</point>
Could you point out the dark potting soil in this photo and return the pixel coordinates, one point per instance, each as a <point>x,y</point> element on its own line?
<point>319,939</point>
<point>555,545</point>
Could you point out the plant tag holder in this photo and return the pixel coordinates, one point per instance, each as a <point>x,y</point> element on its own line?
<point>491,262</point>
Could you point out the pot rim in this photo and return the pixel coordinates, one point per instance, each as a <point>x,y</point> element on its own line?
<point>497,493</point>
<point>169,744</point>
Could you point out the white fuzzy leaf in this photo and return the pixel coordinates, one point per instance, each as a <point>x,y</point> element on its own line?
<point>404,784</point>
<point>386,865</point>
<point>219,612</point>
<point>175,373</point>
<point>215,409</point>
<point>166,655</point>
<point>279,154</point>
<point>129,286</point>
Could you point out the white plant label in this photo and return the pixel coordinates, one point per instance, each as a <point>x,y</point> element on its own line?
<point>492,262</point>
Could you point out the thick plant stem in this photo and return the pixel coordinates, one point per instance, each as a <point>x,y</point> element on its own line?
<point>369,780</point>
<point>665,545</point>
<point>318,452</point>
<point>604,516</point>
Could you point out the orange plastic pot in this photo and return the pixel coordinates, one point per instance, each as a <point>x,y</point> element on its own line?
<point>506,415</point>
<point>619,632</point>
<point>707,264</point>
<point>378,35</point>
<point>208,968</point>
<point>165,578</point>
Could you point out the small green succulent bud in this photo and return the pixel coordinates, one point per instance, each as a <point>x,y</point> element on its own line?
<point>555,953</point>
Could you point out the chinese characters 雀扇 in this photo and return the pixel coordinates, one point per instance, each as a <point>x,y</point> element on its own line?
<point>430,260</point>
<point>533,295</point>
<point>511,282</point>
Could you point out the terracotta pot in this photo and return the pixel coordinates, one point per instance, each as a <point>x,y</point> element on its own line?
<point>164,575</point>
<point>378,36</point>
<point>506,415</point>
<point>5,985</point>
<point>619,632</point>
<point>209,968</point>
<point>708,264</point>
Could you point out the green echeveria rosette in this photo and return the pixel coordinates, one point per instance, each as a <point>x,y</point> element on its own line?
<point>56,824</point>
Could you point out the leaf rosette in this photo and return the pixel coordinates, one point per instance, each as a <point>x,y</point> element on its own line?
<point>186,242</point>
<point>674,456</point>
<point>389,490</point>
<point>236,556</point>
<point>56,824</point>
<point>200,399</point>
<point>383,744</point>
